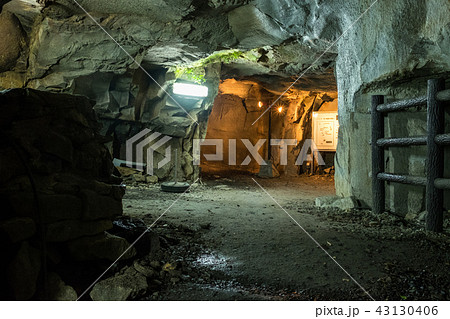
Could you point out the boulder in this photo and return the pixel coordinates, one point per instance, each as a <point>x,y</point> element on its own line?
<point>151,179</point>
<point>72,229</point>
<point>139,178</point>
<point>100,206</point>
<point>18,229</point>
<point>133,228</point>
<point>126,171</point>
<point>58,290</point>
<point>56,207</point>
<point>411,216</point>
<point>255,29</point>
<point>126,285</point>
<point>11,41</point>
<point>422,216</point>
<point>23,272</point>
<point>104,246</point>
<point>343,203</point>
<point>145,268</point>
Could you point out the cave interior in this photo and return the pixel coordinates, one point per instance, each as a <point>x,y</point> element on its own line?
<point>222,150</point>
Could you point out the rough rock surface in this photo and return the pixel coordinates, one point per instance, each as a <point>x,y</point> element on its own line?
<point>126,285</point>
<point>23,271</point>
<point>58,290</point>
<point>12,41</point>
<point>390,50</point>
<point>342,203</point>
<point>103,246</point>
<point>57,187</point>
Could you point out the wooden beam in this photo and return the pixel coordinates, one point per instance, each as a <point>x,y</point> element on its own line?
<point>435,168</point>
<point>378,190</point>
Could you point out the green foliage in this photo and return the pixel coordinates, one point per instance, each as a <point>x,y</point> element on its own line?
<point>223,57</point>
<point>194,74</point>
<point>196,71</point>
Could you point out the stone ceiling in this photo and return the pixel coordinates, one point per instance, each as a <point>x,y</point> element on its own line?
<point>62,43</point>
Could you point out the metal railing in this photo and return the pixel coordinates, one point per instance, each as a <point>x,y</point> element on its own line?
<point>435,140</point>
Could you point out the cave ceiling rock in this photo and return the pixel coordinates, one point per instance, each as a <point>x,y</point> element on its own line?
<point>255,29</point>
<point>66,44</point>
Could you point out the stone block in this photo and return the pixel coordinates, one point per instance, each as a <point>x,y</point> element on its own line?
<point>118,191</point>
<point>134,228</point>
<point>53,207</point>
<point>58,145</point>
<point>104,246</point>
<point>23,272</point>
<point>71,229</point>
<point>123,286</point>
<point>254,29</point>
<point>100,207</point>
<point>139,178</point>
<point>151,179</point>
<point>12,40</point>
<point>60,207</point>
<point>343,203</point>
<point>18,229</point>
<point>58,290</point>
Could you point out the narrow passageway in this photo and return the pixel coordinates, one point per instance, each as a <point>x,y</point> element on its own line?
<point>250,249</point>
<point>311,137</point>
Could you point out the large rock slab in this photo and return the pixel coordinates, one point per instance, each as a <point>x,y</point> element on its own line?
<point>254,29</point>
<point>57,290</point>
<point>104,246</point>
<point>124,286</point>
<point>133,228</point>
<point>12,40</point>
<point>18,229</point>
<point>71,229</point>
<point>99,206</point>
<point>23,272</point>
<point>343,203</point>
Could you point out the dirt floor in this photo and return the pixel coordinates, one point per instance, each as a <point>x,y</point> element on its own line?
<point>234,242</point>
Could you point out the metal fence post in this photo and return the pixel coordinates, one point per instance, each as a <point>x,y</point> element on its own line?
<point>378,191</point>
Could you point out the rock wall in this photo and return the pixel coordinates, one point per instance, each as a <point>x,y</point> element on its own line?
<point>236,108</point>
<point>392,51</point>
<point>387,47</point>
<point>128,104</point>
<point>58,193</point>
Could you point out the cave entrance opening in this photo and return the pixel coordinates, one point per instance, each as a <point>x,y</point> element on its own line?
<point>248,114</point>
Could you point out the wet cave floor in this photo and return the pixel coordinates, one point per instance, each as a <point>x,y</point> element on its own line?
<point>229,240</point>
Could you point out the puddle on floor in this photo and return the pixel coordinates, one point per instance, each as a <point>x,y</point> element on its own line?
<point>215,261</point>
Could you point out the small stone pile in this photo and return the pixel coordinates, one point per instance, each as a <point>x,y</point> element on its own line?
<point>144,278</point>
<point>58,193</point>
<point>136,177</point>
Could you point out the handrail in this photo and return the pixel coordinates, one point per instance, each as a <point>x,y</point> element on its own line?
<point>434,139</point>
<point>443,96</point>
<point>402,105</point>
<point>402,141</point>
<point>403,179</point>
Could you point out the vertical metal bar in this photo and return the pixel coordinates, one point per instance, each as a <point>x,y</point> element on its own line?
<point>435,169</point>
<point>378,191</point>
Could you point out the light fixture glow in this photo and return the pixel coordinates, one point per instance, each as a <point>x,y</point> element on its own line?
<point>190,90</point>
<point>260,104</point>
<point>280,109</point>
<point>315,114</point>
